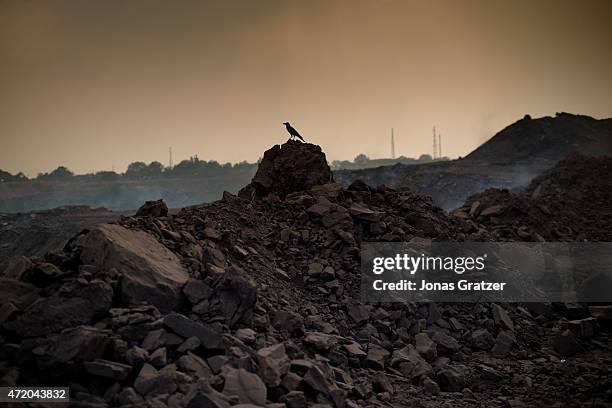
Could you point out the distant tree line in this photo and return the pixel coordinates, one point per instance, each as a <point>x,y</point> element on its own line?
<point>193,167</point>
<point>6,176</point>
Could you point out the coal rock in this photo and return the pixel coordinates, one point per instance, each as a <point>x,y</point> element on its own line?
<point>248,387</point>
<point>152,381</point>
<point>426,347</point>
<point>18,293</point>
<point>294,399</point>
<point>76,303</point>
<point>430,386</point>
<point>305,162</point>
<point>194,365</point>
<point>273,363</point>
<point>108,369</point>
<point>159,357</point>
<point>380,383</point>
<point>446,343</point>
<point>501,317</point>
<point>451,379</point>
<point>481,339</point>
<point>154,209</point>
<point>149,271</point>
<point>503,344</point>
<point>185,327</point>
<point>376,358</point>
<point>566,344</point>
<point>237,294</point>
<point>320,341</point>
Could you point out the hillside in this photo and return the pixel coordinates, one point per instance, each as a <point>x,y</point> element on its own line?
<point>510,159</point>
<point>547,138</point>
<point>570,202</point>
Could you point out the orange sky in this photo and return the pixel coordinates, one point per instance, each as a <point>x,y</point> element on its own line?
<point>94,85</point>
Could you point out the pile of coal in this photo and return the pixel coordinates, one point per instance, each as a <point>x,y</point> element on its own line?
<point>256,303</point>
<point>288,168</point>
<point>570,202</point>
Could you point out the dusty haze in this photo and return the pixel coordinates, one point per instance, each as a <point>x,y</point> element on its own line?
<point>94,85</point>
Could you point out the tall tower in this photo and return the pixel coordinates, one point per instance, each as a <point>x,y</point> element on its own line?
<point>435,147</point>
<point>439,146</point>
<point>170,157</point>
<point>392,145</point>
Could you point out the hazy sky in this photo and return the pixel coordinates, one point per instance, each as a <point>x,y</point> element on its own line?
<point>96,84</point>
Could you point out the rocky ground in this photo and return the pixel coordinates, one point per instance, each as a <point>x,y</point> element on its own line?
<point>253,301</point>
<point>36,233</point>
<point>570,202</point>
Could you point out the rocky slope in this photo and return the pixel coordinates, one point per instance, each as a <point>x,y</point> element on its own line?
<point>570,202</point>
<point>510,159</point>
<point>255,303</point>
<point>547,138</point>
<point>36,233</point>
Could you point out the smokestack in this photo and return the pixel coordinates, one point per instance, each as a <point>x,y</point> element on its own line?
<point>435,147</point>
<point>170,157</point>
<point>392,145</point>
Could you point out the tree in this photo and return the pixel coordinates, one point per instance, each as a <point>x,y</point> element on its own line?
<point>61,174</point>
<point>155,169</point>
<point>244,164</point>
<point>106,175</point>
<point>425,157</point>
<point>136,170</point>
<point>5,176</point>
<point>184,168</point>
<point>361,159</point>
<point>20,177</point>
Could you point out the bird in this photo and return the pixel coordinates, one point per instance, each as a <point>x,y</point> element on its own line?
<point>293,132</point>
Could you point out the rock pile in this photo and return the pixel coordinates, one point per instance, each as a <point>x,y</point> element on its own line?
<point>256,303</point>
<point>570,202</point>
<point>285,169</point>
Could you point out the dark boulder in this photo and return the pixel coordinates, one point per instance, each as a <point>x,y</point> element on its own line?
<point>185,327</point>
<point>21,294</point>
<point>156,208</point>
<point>149,271</point>
<point>66,352</point>
<point>75,303</point>
<point>289,168</point>
<point>237,295</point>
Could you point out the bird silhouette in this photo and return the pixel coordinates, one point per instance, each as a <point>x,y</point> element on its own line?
<point>293,132</point>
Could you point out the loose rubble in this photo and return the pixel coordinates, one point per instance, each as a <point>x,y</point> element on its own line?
<point>255,303</point>
<point>569,202</point>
